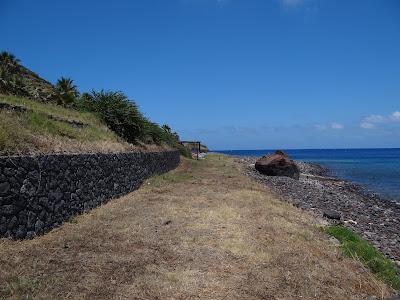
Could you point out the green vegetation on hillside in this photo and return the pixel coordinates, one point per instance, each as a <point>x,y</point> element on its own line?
<point>356,247</point>
<point>17,80</point>
<point>35,131</point>
<point>123,117</point>
<point>62,108</point>
<point>10,81</point>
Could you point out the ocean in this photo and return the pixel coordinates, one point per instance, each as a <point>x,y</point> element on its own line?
<point>378,170</point>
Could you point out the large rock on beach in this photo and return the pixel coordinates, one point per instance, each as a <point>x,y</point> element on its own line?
<point>278,164</point>
<point>332,214</point>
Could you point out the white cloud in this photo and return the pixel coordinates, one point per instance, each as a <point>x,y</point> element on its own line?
<point>291,2</point>
<point>336,126</point>
<point>375,119</point>
<point>395,116</point>
<point>371,121</point>
<point>196,2</point>
<point>367,125</point>
<point>333,125</point>
<point>320,126</point>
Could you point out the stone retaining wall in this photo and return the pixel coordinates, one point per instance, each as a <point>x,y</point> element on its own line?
<point>38,193</point>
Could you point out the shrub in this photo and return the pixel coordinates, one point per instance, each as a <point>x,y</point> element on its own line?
<point>153,133</point>
<point>123,117</point>
<point>185,151</point>
<point>114,108</point>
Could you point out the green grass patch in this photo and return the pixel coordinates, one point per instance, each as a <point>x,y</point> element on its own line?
<point>170,178</point>
<point>52,109</point>
<point>19,129</point>
<point>73,220</point>
<point>356,247</point>
<point>14,136</point>
<point>40,124</point>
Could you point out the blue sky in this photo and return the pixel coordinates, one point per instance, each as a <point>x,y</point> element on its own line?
<point>236,74</point>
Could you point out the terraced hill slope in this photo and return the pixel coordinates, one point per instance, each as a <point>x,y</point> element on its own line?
<point>28,126</point>
<point>38,117</point>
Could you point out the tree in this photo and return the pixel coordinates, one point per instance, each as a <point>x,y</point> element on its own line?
<point>176,136</point>
<point>8,58</point>
<point>67,92</point>
<point>166,128</point>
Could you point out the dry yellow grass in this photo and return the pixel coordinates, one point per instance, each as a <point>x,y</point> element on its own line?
<point>203,231</point>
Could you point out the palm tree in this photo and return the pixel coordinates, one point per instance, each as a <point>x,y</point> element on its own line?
<point>166,128</point>
<point>67,86</point>
<point>8,58</point>
<point>66,90</point>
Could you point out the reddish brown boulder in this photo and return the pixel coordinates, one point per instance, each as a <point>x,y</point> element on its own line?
<point>278,164</point>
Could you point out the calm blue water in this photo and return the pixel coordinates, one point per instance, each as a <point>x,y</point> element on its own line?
<point>377,169</point>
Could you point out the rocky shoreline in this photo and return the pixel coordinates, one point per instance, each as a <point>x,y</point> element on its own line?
<point>374,218</point>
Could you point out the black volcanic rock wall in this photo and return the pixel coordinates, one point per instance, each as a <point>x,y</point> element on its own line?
<point>38,193</point>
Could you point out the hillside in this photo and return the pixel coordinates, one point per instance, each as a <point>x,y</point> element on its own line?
<point>15,79</point>
<point>30,127</point>
<point>35,86</point>
<point>58,118</point>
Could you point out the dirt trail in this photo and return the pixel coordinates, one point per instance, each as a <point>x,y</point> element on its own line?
<point>203,231</point>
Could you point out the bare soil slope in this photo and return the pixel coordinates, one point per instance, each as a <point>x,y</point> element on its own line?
<point>203,231</point>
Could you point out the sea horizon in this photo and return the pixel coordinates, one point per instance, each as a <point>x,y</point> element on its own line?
<point>284,149</point>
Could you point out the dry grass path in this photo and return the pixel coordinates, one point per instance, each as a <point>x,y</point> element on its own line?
<point>203,231</point>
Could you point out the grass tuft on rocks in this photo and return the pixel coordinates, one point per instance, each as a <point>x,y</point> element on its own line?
<point>356,247</point>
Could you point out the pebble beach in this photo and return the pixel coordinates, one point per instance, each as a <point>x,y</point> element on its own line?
<point>376,219</point>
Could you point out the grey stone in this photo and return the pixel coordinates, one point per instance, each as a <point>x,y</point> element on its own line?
<point>39,226</point>
<point>4,188</point>
<point>8,210</point>
<point>22,217</point>
<point>42,215</point>
<point>331,214</point>
<point>13,223</point>
<point>20,201</point>
<point>3,229</point>
<point>56,196</point>
<point>397,262</point>
<point>43,201</point>
<point>31,220</point>
<point>21,232</point>
<point>28,188</point>
<point>334,241</point>
<point>10,172</point>
<point>34,175</point>
<point>30,235</point>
